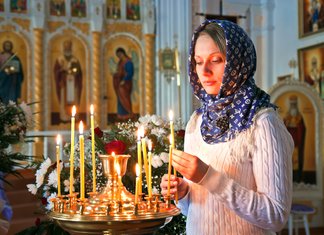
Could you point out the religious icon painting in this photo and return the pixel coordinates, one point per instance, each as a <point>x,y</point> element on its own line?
<point>311,67</point>
<point>301,110</point>
<point>311,17</point>
<point>133,10</point>
<point>13,67</point>
<point>78,8</point>
<point>67,75</point>
<point>18,6</point>
<point>1,5</point>
<point>57,7</point>
<point>113,9</point>
<point>123,73</point>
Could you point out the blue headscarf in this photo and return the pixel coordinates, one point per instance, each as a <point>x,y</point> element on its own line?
<point>231,111</point>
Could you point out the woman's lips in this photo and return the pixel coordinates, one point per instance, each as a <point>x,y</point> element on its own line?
<point>209,83</point>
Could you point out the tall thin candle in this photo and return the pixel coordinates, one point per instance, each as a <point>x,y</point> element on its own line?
<point>145,157</point>
<point>149,184</point>
<point>139,156</point>
<point>82,178</point>
<point>58,140</point>
<point>169,167</point>
<point>171,127</point>
<point>137,183</point>
<point>172,144</point>
<point>72,149</point>
<point>94,183</point>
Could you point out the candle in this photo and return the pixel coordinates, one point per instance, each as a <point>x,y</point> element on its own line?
<point>119,183</point>
<point>150,168</point>
<point>94,184</point>
<point>58,140</point>
<point>139,155</point>
<point>172,144</point>
<point>171,128</point>
<point>137,183</point>
<point>72,149</point>
<point>82,180</point>
<point>145,157</point>
<point>169,168</point>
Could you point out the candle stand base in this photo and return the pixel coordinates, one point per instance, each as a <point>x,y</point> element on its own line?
<point>112,211</point>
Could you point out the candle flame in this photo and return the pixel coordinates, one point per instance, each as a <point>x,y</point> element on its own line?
<point>81,127</point>
<point>58,139</point>
<point>149,145</point>
<point>73,111</point>
<point>137,170</point>
<point>171,115</point>
<point>91,109</point>
<point>113,154</point>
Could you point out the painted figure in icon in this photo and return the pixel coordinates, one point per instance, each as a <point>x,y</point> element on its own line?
<point>11,74</point>
<point>295,124</point>
<point>68,80</point>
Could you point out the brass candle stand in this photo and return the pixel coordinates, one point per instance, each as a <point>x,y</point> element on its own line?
<point>112,211</point>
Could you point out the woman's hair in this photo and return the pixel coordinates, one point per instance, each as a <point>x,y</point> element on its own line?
<point>216,32</point>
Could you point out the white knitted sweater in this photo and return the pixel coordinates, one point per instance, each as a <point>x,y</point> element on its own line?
<point>248,186</point>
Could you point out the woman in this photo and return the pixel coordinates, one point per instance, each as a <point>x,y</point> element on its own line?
<point>236,163</point>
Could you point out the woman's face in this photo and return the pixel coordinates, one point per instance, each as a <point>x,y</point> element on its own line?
<point>210,64</point>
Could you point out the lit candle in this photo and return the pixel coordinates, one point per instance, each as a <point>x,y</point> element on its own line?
<point>145,157</point>
<point>139,155</point>
<point>171,127</point>
<point>58,140</point>
<point>137,183</point>
<point>150,168</point>
<point>172,143</point>
<point>169,166</point>
<point>81,142</point>
<point>72,149</point>
<point>117,166</point>
<point>94,184</point>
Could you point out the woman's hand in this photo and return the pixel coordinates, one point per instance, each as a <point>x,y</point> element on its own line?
<point>191,167</point>
<point>177,184</point>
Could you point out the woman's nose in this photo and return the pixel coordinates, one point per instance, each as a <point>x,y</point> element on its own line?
<point>206,69</point>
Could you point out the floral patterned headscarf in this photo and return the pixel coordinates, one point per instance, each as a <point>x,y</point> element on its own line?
<point>231,111</point>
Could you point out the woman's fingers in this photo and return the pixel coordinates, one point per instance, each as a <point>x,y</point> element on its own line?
<point>165,182</point>
<point>190,166</point>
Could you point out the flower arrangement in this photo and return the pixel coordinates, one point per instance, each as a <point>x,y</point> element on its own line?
<point>14,122</point>
<point>120,138</point>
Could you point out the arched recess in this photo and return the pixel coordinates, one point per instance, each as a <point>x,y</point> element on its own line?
<point>299,101</point>
<point>21,48</point>
<point>134,50</point>
<point>59,106</point>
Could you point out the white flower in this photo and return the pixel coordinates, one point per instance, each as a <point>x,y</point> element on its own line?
<point>49,205</point>
<point>156,161</point>
<point>155,190</point>
<point>145,119</point>
<point>67,186</point>
<point>52,178</point>
<point>42,171</point>
<point>32,188</point>
<point>156,120</point>
<point>164,157</point>
<point>159,132</point>
<point>28,112</point>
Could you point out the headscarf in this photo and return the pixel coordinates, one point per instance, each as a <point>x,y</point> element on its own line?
<point>231,111</point>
